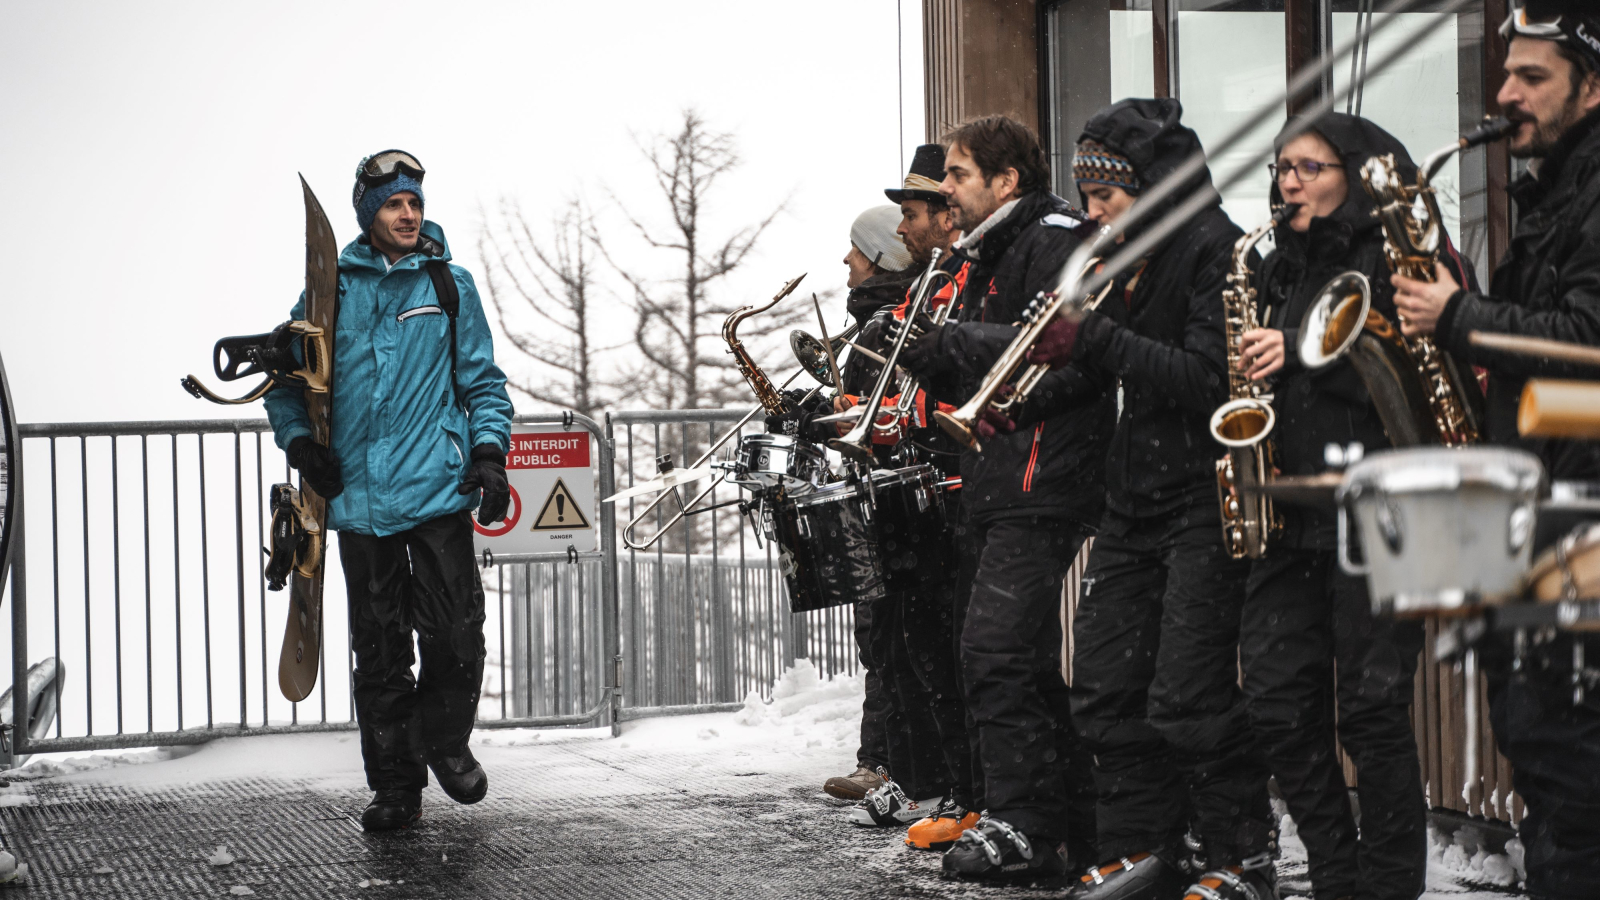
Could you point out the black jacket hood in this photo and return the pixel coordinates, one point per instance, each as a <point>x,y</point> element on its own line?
<point>882,289</point>
<point>1356,140</point>
<point>1150,134</point>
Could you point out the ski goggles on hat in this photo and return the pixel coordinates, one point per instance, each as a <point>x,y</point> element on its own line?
<point>1553,22</point>
<point>386,166</point>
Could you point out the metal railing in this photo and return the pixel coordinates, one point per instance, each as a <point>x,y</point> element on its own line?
<point>138,568</point>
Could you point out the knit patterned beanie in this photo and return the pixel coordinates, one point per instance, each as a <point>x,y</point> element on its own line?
<point>368,199</point>
<point>1098,164</point>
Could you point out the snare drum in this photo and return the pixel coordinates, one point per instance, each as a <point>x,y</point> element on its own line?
<point>828,547</point>
<point>1567,572</point>
<point>779,460</point>
<point>1443,531</point>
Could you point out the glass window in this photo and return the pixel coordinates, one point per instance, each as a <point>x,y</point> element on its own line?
<point>1101,51</point>
<point>1417,98</point>
<point>1232,59</point>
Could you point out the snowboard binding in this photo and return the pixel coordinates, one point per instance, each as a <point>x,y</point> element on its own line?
<point>296,537</point>
<point>271,354</point>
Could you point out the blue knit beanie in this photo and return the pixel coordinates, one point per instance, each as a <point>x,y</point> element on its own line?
<point>368,199</point>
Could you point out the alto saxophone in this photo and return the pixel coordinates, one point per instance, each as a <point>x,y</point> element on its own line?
<point>770,399</point>
<point>1420,395</point>
<point>1244,423</point>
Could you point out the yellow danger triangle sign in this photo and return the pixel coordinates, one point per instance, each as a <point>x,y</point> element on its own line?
<point>559,512</point>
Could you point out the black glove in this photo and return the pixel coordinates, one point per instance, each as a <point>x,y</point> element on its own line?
<point>924,354</point>
<point>488,472</point>
<point>318,467</point>
<point>799,408</point>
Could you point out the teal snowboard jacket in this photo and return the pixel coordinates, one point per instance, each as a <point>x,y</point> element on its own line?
<point>401,440</point>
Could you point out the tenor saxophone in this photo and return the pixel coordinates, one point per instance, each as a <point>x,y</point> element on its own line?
<point>1244,424</point>
<point>771,400</point>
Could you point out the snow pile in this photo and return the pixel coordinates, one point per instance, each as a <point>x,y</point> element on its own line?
<point>823,711</point>
<point>1470,855</point>
<point>222,857</point>
<point>46,764</point>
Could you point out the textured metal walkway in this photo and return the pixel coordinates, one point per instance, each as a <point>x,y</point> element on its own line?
<point>577,818</point>
<point>574,819</point>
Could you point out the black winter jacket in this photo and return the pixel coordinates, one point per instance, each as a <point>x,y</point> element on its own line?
<point>1331,404</point>
<point>872,304</point>
<point>1547,286</point>
<point>1166,344</point>
<point>1054,467</point>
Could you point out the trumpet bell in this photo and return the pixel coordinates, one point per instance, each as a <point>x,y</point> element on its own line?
<point>1242,423</point>
<point>1335,319</point>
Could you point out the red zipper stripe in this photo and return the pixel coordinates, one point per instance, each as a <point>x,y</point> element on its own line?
<point>1033,459</point>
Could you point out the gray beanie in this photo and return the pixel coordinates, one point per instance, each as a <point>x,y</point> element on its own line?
<point>873,233</point>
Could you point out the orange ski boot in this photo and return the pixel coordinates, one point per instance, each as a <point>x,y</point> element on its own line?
<point>943,828</point>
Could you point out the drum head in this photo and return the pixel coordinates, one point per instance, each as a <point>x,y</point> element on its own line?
<point>10,485</point>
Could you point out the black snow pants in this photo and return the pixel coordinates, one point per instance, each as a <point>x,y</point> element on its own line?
<point>879,715</point>
<point>912,642</point>
<point>1554,749</point>
<point>1155,689</point>
<point>1029,769</point>
<point>1309,643</point>
<point>425,581</point>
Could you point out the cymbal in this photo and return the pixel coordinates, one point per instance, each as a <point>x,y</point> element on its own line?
<point>1302,490</point>
<point>670,479</point>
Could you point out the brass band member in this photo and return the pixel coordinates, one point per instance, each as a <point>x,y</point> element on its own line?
<point>1030,498</point>
<point>880,270</point>
<point>1309,641</point>
<point>1154,689</point>
<point>1548,285</point>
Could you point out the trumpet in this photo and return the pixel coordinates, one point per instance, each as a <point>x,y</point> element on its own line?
<point>962,424</point>
<point>857,445</point>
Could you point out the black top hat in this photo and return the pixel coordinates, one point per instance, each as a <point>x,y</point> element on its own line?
<point>922,182</point>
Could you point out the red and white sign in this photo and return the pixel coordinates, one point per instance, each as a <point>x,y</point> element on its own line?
<point>552,494</point>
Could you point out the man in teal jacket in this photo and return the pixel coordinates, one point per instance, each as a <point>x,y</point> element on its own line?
<point>411,448</point>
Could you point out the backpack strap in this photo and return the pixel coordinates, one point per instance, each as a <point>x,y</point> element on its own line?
<point>444,288</point>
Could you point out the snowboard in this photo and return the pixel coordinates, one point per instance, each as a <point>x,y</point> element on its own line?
<point>301,655</point>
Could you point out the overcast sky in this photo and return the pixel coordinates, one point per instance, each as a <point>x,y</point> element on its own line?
<point>150,152</point>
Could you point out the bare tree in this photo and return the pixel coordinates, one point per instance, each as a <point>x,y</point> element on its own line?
<point>676,315</point>
<point>546,297</point>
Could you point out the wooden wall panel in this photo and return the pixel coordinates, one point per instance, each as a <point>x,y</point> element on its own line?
<point>981,58</point>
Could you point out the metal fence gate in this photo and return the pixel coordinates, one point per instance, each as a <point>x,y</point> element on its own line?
<point>137,568</point>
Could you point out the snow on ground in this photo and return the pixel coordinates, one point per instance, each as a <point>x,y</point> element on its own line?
<point>807,732</point>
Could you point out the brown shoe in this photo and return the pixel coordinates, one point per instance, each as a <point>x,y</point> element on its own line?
<point>855,785</point>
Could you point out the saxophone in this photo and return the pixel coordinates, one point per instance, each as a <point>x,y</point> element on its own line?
<point>770,399</point>
<point>1412,239</point>
<point>1416,388</point>
<point>1243,423</point>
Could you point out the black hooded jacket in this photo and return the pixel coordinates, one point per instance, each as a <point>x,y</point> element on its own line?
<point>1054,466</point>
<point>872,304</point>
<point>1166,341</point>
<point>1330,404</point>
<point>1547,286</point>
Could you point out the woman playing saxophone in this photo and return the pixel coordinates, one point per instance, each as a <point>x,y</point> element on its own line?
<point>1305,622</point>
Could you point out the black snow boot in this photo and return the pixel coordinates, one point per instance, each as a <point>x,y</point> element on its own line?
<point>392,810</point>
<point>1142,876</point>
<point>994,851</point>
<point>461,777</point>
